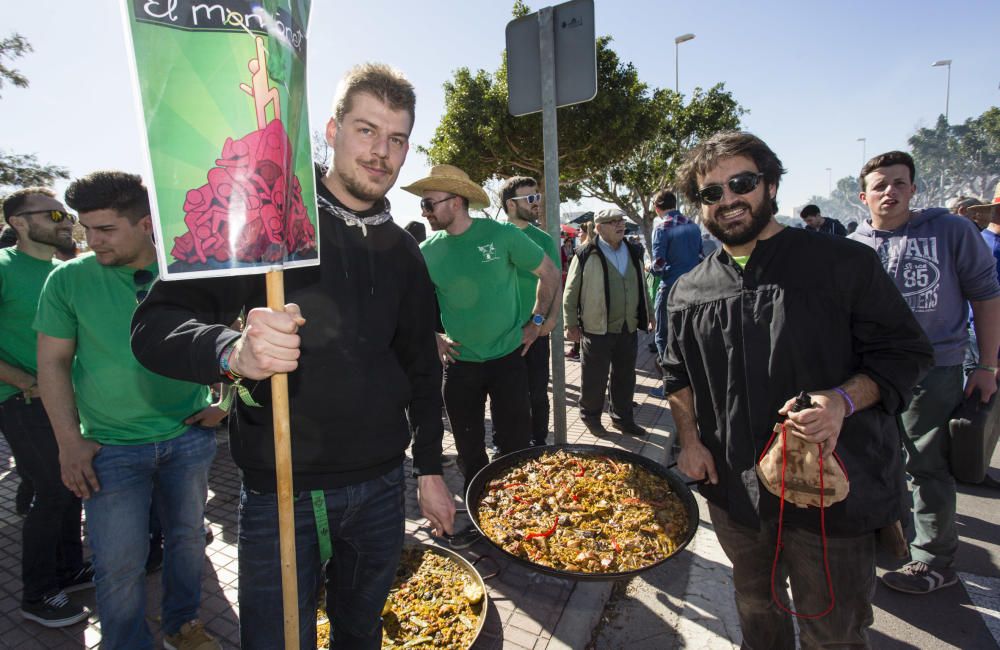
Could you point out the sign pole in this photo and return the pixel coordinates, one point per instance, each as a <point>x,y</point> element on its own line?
<point>550,140</point>
<point>283,469</point>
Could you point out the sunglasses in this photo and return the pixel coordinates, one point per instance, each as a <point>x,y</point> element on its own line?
<point>742,183</point>
<point>57,216</point>
<point>142,279</point>
<point>427,205</point>
<point>531,198</point>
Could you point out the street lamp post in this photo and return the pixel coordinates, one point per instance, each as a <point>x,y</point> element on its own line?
<point>947,92</point>
<point>864,143</point>
<point>829,180</point>
<point>683,38</point>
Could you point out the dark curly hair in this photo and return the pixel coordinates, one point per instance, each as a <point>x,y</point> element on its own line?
<point>728,144</point>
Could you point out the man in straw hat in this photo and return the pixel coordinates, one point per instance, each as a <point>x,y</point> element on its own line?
<point>363,377</point>
<point>776,311</point>
<point>939,264</point>
<point>473,264</point>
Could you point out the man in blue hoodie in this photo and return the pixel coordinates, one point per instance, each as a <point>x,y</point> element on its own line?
<point>940,265</point>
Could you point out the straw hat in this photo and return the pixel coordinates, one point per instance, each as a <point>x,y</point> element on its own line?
<point>451,179</point>
<point>987,207</point>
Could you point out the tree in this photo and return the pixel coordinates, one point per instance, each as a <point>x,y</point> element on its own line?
<point>21,170</point>
<point>632,184</point>
<point>478,135</point>
<point>959,159</point>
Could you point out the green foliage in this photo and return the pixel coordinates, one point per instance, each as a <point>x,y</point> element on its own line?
<point>21,170</point>
<point>478,134</point>
<point>957,159</point>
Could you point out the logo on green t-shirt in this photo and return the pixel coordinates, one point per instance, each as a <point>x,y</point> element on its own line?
<point>489,252</point>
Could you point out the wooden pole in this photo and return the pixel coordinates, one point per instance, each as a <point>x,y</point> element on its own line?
<point>283,469</point>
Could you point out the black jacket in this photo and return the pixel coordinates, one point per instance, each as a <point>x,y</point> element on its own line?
<point>806,313</point>
<point>369,358</point>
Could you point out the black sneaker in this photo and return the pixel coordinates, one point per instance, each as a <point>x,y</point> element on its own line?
<point>594,426</point>
<point>82,579</point>
<point>631,428</point>
<point>463,538</point>
<point>54,611</point>
<point>920,578</point>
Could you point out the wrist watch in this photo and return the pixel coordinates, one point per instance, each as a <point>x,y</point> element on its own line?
<point>538,319</point>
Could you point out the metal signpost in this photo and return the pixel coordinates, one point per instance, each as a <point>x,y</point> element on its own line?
<point>552,62</point>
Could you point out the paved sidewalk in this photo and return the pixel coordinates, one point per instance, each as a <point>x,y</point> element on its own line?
<point>527,609</point>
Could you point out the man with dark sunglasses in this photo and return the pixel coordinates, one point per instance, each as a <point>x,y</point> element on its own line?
<point>120,428</point>
<point>774,312</point>
<point>473,264</point>
<point>52,552</point>
<point>523,204</point>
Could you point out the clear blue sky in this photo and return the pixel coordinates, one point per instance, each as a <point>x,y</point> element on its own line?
<point>815,76</point>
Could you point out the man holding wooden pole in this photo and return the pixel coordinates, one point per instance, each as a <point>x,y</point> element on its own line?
<point>357,337</point>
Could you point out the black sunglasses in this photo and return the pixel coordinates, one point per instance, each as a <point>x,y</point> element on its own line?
<point>56,216</point>
<point>142,279</point>
<point>742,183</point>
<point>427,205</point>
<point>531,198</point>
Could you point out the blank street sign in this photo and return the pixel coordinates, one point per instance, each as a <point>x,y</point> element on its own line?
<point>575,54</point>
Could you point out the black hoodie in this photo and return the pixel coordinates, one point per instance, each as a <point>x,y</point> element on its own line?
<point>368,367</point>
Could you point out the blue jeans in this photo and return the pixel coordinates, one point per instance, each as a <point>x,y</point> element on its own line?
<point>118,522</point>
<point>366,528</point>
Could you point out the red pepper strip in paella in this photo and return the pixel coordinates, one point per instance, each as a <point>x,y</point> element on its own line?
<point>547,533</point>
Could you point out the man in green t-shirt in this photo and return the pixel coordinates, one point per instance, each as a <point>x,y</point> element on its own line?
<point>52,552</point>
<point>523,204</point>
<point>473,264</point>
<point>122,429</point>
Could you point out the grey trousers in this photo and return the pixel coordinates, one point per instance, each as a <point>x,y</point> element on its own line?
<point>764,625</point>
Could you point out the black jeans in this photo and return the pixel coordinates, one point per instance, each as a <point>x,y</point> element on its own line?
<point>601,352</point>
<point>466,385</point>
<point>764,625</point>
<point>537,361</point>
<point>51,545</point>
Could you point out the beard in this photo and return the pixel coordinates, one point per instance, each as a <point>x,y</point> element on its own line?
<point>742,233</point>
<point>52,236</point>
<point>362,190</point>
<point>526,214</point>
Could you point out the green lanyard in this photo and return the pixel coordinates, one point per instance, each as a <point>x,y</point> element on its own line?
<point>322,525</point>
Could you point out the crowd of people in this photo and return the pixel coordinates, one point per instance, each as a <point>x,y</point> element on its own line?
<point>111,383</point>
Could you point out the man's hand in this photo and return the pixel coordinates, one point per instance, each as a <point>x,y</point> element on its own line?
<point>983,379</point>
<point>76,465</point>
<point>32,391</point>
<point>209,417</point>
<point>652,325</point>
<point>821,423</point>
<point>436,503</point>
<point>573,334</point>
<point>447,349</point>
<point>269,344</point>
<point>529,333</point>
<point>695,460</point>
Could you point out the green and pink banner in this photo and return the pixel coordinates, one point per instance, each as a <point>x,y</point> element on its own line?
<point>222,92</point>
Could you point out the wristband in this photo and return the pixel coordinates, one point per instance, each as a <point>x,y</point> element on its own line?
<point>847,398</point>
<point>225,360</point>
<point>986,368</point>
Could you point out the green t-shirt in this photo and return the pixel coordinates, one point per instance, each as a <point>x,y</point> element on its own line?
<point>475,278</point>
<point>527,282</point>
<point>120,402</point>
<point>21,279</point>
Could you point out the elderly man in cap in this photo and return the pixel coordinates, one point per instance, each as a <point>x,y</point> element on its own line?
<point>604,306</point>
<point>473,264</point>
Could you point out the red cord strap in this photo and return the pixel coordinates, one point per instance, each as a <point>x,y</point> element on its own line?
<point>822,524</point>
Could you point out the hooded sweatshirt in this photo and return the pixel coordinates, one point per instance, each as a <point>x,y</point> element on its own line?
<point>939,263</point>
<point>368,377</point>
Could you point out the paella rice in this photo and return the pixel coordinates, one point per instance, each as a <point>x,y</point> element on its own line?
<point>583,513</point>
